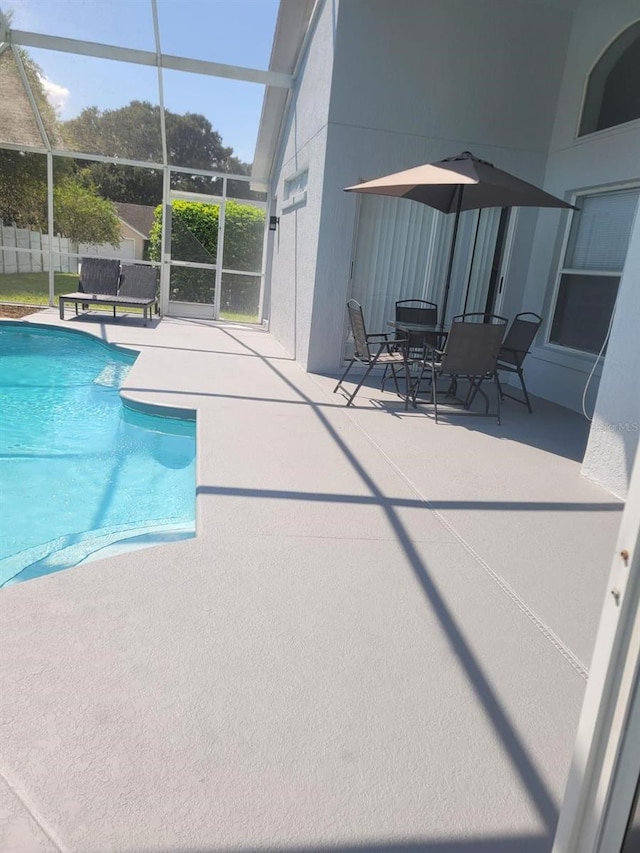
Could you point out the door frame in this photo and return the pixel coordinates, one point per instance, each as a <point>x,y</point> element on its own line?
<point>602,781</point>
<point>202,310</point>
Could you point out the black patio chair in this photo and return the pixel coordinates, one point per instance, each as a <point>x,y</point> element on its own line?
<point>515,349</point>
<point>139,286</point>
<point>415,311</point>
<point>471,353</point>
<point>375,349</point>
<point>418,311</point>
<point>99,276</point>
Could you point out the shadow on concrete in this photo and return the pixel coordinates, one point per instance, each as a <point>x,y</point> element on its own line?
<point>531,781</point>
<point>498,844</point>
<point>552,428</point>
<point>387,503</point>
<point>120,320</point>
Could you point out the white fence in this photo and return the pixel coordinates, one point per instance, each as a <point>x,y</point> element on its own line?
<point>31,251</point>
<point>34,256</point>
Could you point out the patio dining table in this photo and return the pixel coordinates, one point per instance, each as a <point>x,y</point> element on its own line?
<point>430,332</point>
<point>434,336</point>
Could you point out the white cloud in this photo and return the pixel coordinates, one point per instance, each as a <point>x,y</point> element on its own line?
<point>57,95</point>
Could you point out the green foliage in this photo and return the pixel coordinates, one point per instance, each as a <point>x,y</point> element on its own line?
<point>79,212</point>
<point>194,237</point>
<point>23,189</point>
<point>130,184</point>
<point>155,236</point>
<point>83,216</point>
<point>33,288</point>
<point>195,234</point>
<point>243,237</point>
<point>133,132</point>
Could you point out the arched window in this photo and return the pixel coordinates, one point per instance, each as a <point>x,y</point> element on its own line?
<point>613,89</point>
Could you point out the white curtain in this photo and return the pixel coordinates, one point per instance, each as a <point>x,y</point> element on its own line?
<point>393,243</point>
<point>402,252</point>
<point>600,231</point>
<point>487,223</point>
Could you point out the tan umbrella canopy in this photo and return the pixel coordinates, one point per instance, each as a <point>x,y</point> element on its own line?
<point>460,183</point>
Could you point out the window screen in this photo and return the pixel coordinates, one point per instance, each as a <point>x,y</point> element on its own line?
<point>600,231</point>
<point>594,259</point>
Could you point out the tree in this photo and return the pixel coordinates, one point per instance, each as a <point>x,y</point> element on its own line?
<point>129,184</point>
<point>82,216</point>
<point>133,132</point>
<point>23,189</point>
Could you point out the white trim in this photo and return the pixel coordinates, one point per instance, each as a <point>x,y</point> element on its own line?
<point>219,254</point>
<point>575,195</point>
<point>130,226</point>
<point>32,101</point>
<point>574,359</point>
<point>296,200</point>
<point>271,129</point>
<point>196,265</point>
<point>147,57</point>
<point>589,271</point>
<point>163,120</point>
<point>203,198</point>
<point>226,270</point>
<point>105,158</point>
<point>17,146</point>
<point>196,310</point>
<point>626,126</point>
<point>165,269</point>
<point>50,227</point>
<point>296,174</point>
<point>585,86</point>
<point>601,730</point>
<point>249,202</point>
<point>208,173</point>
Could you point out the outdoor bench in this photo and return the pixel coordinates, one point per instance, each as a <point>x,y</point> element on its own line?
<point>135,287</point>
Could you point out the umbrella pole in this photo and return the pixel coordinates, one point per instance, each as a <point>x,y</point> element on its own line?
<point>473,257</point>
<point>451,254</point>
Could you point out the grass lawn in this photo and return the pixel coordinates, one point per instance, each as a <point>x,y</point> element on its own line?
<point>238,318</point>
<point>32,288</point>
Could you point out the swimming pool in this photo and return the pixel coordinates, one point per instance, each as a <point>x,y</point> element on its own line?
<point>83,473</point>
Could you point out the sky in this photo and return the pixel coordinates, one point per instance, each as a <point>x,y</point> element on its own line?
<point>235,32</point>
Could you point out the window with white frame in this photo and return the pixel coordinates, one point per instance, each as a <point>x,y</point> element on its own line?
<point>590,274</point>
<point>295,189</point>
<point>613,88</point>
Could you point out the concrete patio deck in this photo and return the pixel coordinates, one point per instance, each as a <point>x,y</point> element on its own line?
<point>378,640</point>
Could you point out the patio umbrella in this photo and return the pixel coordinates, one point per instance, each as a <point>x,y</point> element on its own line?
<point>460,183</point>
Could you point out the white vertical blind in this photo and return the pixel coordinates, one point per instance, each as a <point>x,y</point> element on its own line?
<point>391,256</point>
<point>402,252</point>
<point>600,231</point>
<point>478,281</point>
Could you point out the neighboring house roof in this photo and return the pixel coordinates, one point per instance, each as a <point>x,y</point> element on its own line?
<point>17,121</point>
<point>137,216</point>
<point>293,21</point>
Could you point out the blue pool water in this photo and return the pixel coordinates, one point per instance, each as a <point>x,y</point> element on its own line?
<point>82,472</point>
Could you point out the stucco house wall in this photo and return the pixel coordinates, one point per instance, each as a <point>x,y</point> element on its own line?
<point>295,244</point>
<point>389,85</point>
<point>414,82</point>
<point>604,159</point>
<point>613,439</point>
<point>129,233</point>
